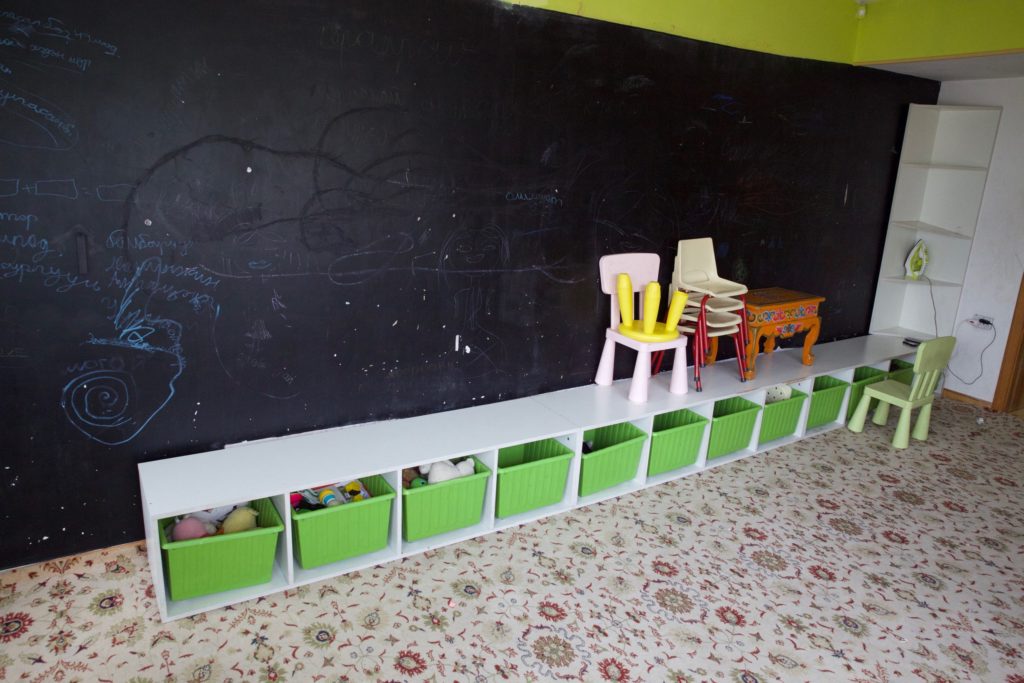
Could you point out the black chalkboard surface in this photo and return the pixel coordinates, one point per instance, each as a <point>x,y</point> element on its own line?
<point>230,220</point>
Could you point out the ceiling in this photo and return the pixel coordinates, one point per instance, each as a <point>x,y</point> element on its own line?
<point>961,68</point>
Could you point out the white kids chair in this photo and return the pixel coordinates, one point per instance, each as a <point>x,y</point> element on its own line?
<point>714,312</point>
<point>646,335</point>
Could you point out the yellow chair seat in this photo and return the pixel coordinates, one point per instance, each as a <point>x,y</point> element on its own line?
<point>635,330</point>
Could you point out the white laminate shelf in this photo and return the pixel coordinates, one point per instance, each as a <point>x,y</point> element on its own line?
<point>272,468</point>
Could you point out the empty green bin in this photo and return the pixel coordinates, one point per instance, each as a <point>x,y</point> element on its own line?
<point>732,426</point>
<point>343,531</point>
<point>214,564</point>
<point>675,441</point>
<point>614,459</point>
<point>446,506</point>
<point>780,418</point>
<point>862,377</point>
<point>531,475</point>
<point>826,400</point>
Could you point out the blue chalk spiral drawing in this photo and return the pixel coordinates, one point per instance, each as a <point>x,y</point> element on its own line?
<point>107,405</point>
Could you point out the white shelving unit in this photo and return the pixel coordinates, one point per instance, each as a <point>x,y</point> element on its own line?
<point>275,467</point>
<point>939,187</point>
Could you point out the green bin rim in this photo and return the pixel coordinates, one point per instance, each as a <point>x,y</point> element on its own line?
<point>311,514</point>
<point>528,465</point>
<point>700,420</point>
<point>168,544</point>
<point>600,451</point>
<point>796,395</point>
<point>480,470</point>
<point>750,406</point>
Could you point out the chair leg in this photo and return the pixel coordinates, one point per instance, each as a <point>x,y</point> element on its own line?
<point>739,356</point>
<point>860,414</point>
<point>924,419</point>
<point>697,351</point>
<point>678,385</point>
<point>641,377</point>
<point>606,368</point>
<point>881,413</point>
<point>902,437</point>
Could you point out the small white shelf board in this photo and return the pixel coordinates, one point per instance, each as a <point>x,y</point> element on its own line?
<point>275,467</point>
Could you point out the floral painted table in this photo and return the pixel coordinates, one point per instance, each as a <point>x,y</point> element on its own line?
<point>775,312</point>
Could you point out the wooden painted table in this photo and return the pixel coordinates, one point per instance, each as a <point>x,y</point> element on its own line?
<point>775,312</point>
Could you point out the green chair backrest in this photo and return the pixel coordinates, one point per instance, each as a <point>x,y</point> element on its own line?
<point>932,358</point>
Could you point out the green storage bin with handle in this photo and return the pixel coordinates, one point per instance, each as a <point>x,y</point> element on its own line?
<point>614,459</point>
<point>675,441</point>
<point>780,418</point>
<point>731,426</point>
<point>214,564</point>
<point>826,400</point>
<point>901,371</point>
<point>531,475</point>
<point>446,506</point>
<point>343,531</point>
<point>862,377</point>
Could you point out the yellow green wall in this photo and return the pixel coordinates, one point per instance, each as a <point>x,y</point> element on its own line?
<point>828,30</point>
<point>897,30</point>
<point>818,29</point>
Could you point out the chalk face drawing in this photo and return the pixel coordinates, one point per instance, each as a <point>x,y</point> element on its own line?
<point>128,378</point>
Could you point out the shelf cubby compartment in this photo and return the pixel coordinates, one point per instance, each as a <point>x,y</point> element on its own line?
<point>214,564</point>
<point>531,476</point>
<point>614,458</point>
<point>826,400</point>
<point>732,426</point>
<point>862,377</point>
<point>344,531</point>
<point>446,506</point>
<point>901,371</point>
<point>780,418</point>
<point>675,441</point>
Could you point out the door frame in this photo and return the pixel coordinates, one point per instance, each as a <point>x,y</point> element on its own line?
<point>1013,355</point>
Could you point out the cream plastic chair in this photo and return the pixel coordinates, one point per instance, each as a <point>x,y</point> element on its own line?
<point>641,269</point>
<point>713,313</point>
<point>932,358</point>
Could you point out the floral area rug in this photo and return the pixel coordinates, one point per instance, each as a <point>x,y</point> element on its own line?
<point>833,559</point>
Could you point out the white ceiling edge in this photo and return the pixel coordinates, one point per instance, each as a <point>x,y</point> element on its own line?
<point>961,68</point>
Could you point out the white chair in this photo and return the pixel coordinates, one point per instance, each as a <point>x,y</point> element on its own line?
<point>641,268</point>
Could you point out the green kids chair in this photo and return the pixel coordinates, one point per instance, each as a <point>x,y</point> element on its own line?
<point>932,358</point>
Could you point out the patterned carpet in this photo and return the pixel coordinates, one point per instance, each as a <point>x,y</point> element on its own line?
<point>834,559</point>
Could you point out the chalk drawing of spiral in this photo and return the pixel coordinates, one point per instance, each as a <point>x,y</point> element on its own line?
<point>99,403</point>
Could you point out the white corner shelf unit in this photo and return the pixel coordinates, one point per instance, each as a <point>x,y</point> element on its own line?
<point>272,468</point>
<point>939,186</point>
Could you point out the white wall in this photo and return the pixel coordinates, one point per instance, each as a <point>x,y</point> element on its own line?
<point>997,255</point>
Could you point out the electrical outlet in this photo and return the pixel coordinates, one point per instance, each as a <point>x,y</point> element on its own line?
<point>981,321</point>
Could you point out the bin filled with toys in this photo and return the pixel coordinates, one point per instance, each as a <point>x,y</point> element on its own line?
<point>220,549</point>
<point>338,521</point>
<point>442,496</point>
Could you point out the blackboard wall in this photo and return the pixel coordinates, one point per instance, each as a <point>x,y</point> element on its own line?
<point>231,220</point>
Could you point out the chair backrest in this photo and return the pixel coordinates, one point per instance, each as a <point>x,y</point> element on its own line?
<point>641,268</point>
<point>695,261</point>
<point>932,358</point>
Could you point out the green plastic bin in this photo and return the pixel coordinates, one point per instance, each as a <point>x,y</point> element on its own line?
<point>614,459</point>
<point>826,400</point>
<point>220,563</point>
<point>779,419</point>
<point>531,475</point>
<point>901,371</point>
<point>675,441</point>
<point>437,508</point>
<point>344,531</point>
<point>862,377</point>
<point>732,426</point>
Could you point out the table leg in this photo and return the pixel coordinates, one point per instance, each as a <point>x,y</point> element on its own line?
<point>752,349</point>
<point>769,343</point>
<point>813,330</point>
<point>712,354</point>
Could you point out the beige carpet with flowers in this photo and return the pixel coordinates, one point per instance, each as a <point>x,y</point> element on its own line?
<point>835,559</point>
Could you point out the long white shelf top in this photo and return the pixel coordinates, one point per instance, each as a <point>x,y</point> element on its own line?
<point>272,466</point>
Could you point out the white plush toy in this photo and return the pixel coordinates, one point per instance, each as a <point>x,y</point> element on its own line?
<point>779,392</point>
<point>445,470</point>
